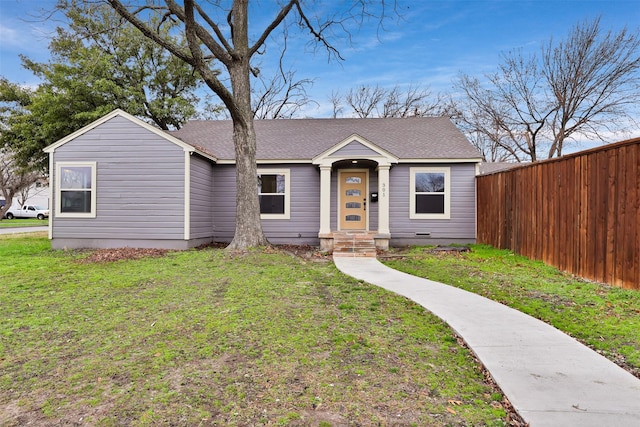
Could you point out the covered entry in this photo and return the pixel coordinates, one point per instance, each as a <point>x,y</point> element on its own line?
<point>345,175</point>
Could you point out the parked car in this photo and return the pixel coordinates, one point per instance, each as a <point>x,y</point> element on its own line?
<point>27,211</point>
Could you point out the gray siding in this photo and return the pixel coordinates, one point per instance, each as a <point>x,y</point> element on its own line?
<point>461,225</point>
<point>224,194</point>
<point>355,148</point>
<point>304,222</point>
<point>139,184</point>
<point>202,202</point>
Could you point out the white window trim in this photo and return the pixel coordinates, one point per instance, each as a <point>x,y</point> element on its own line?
<point>58,195</point>
<point>447,192</point>
<point>287,192</point>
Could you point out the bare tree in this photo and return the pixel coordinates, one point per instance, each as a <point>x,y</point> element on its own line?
<point>336,103</point>
<point>531,107</point>
<point>502,122</point>
<point>375,101</point>
<point>594,79</point>
<point>277,97</point>
<point>483,130</point>
<point>13,179</point>
<point>218,33</point>
<point>412,102</point>
<point>364,100</point>
<point>281,96</point>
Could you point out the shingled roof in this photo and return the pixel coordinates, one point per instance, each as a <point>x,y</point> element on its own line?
<point>303,139</point>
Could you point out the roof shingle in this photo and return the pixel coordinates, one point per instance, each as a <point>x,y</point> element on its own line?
<point>303,139</point>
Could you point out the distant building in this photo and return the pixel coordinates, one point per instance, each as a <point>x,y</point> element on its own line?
<point>37,194</point>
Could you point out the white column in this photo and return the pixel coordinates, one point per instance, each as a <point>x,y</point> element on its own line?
<point>325,200</point>
<point>383,199</point>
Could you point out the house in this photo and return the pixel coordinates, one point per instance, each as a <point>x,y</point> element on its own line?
<point>121,182</point>
<point>36,194</point>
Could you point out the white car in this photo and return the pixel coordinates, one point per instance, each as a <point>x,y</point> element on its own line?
<point>27,211</point>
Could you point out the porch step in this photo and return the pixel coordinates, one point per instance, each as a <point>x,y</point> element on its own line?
<point>354,244</point>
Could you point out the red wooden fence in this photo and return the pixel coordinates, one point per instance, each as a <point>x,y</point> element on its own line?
<point>580,213</point>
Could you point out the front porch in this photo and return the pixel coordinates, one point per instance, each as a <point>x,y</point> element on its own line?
<point>354,197</point>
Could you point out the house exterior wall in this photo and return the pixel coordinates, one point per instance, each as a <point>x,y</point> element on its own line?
<point>355,149</point>
<point>139,188</point>
<point>460,228</point>
<point>202,202</point>
<point>304,222</point>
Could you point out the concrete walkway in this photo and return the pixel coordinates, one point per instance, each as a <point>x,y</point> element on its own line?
<point>550,378</point>
<point>17,230</point>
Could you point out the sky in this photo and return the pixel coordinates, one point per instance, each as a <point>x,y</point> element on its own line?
<point>432,43</point>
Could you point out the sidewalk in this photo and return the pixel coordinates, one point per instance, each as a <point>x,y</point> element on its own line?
<point>550,378</point>
<point>17,230</point>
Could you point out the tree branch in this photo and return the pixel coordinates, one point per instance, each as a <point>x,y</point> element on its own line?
<point>273,25</point>
<point>148,32</point>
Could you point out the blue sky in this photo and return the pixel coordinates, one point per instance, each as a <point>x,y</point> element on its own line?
<point>434,42</point>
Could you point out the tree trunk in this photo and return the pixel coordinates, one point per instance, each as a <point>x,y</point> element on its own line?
<point>248,226</point>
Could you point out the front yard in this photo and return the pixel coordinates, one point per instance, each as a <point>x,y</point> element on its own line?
<point>205,338</point>
<point>202,337</point>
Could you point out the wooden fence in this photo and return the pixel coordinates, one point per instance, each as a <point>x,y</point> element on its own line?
<point>580,213</point>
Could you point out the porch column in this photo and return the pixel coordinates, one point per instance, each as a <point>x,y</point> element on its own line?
<point>383,200</point>
<point>325,201</point>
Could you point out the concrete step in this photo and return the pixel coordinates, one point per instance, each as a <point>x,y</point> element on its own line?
<point>354,244</point>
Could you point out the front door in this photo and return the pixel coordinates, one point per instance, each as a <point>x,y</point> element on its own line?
<point>353,200</point>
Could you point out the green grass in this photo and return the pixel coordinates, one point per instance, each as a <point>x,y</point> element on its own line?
<point>26,222</point>
<point>603,317</point>
<point>202,337</point>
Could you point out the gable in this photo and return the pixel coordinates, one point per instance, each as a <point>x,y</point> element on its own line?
<point>354,148</point>
<point>126,125</point>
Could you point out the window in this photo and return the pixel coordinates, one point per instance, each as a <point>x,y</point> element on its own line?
<point>273,191</point>
<point>430,193</point>
<point>75,197</point>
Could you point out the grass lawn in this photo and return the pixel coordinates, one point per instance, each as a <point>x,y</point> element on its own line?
<point>603,317</point>
<point>202,337</point>
<point>26,222</point>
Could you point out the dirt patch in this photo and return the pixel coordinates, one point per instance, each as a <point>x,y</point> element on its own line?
<point>120,254</point>
<point>306,252</point>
